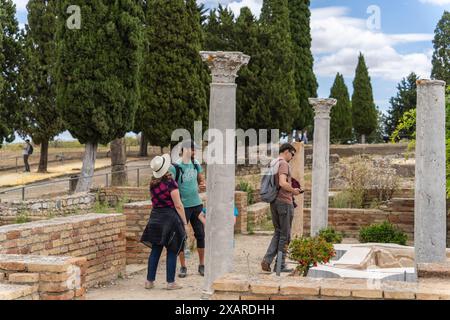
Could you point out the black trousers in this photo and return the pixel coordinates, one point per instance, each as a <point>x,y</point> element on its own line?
<point>25,161</point>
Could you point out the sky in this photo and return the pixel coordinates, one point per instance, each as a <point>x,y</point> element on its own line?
<point>394,36</point>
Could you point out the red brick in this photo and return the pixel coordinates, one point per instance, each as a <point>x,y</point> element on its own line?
<point>69,295</point>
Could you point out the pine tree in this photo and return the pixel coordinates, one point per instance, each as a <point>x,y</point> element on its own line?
<point>10,55</point>
<point>174,95</point>
<point>441,55</point>
<point>42,119</point>
<point>305,80</point>
<point>364,112</point>
<point>405,100</point>
<point>277,105</point>
<point>98,74</point>
<point>341,114</point>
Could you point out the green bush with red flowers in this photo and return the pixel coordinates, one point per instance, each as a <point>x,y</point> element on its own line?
<point>309,252</point>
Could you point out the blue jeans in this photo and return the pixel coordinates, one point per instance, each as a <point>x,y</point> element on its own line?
<point>153,260</point>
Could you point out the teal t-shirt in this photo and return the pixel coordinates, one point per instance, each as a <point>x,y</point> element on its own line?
<point>189,188</point>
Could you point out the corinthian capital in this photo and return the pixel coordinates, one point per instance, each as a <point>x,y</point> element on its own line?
<point>322,107</point>
<point>224,65</point>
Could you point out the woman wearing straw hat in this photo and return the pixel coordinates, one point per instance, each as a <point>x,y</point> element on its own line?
<point>167,224</point>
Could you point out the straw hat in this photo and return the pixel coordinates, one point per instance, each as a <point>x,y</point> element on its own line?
<point>160,165</point>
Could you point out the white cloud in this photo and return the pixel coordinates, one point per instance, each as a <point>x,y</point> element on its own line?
<point>21,5</point>
<point>338,39</point>
<point>436,2</point>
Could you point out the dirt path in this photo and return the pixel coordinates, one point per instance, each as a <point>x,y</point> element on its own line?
<point>249,250</point>
<point>58,172</point>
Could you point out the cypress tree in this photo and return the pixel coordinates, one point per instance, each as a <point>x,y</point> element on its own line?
<point>277,105</point>
<point>248,89</point>
<point>42,119</point>
<point>10,57</point>
<point>364,111</point>
<point>305,80</point>
<point>341,114</point>
<point>405,100</point>
<point>220,30</point>
<point>98,74</point>
<point>441,55</point>
<point>174,95</point>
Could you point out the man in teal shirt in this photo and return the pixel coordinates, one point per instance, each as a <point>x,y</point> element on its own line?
<point>188,175</point>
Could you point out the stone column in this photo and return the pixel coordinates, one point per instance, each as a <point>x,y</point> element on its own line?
<point>221,176</point>
<point>298,172</point>
<point>430,194</point>
<point>321,163</point>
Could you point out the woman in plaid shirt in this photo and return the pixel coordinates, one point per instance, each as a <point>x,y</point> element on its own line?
<point>167,224</point>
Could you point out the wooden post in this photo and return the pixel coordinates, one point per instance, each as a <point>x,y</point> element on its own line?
<point>298,173</point>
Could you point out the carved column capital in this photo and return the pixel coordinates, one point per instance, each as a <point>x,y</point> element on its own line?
<point>224,66</point>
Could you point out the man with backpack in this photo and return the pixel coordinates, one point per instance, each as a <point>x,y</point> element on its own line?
<point>276,189</point>
<point>187,172</point>
<point>27,152</point>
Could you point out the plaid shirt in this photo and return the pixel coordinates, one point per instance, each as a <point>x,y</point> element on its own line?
<point>161,197</point>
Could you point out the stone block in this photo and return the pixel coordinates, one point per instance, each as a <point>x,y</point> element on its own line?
<point>231,283</point>
<point>399,295</point>
<point>434,270</point>
<point>225,296</point>
<point>69,295</point>
<point>24,278</point>
<point>301,286</point>
<point>265,287</point>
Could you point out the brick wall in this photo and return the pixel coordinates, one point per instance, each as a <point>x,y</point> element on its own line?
<point>100,238</point>
<point>400,212</point>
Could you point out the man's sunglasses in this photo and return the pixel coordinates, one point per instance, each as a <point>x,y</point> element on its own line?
<point>293,154</point>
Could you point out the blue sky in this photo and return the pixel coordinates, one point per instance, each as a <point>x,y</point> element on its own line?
<point>340,31</point>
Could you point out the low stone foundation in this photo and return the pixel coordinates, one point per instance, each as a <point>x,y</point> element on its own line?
<point>41,209</point>
<point>112,195</point>
<point>271,287</point>
<point>100,238</point>
<point>48,278</point>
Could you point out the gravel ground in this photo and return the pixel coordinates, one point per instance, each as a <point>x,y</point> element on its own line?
<point>248,253</point>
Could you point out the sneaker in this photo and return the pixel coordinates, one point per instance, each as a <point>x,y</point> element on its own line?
<point>173,286</point>
<point>201,270</point>
<point>149,285</point>
<point>265,266</point>
<point>183,272</point>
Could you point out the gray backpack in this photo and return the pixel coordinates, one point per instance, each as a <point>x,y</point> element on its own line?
<point>269,188</point>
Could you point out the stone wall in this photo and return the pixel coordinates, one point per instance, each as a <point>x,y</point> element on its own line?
<point>41,209</point>
<point>271,287</point>
<point>100,238</point>
<point>42,277</point>
<point>112,195</point>
<point>257,213</point>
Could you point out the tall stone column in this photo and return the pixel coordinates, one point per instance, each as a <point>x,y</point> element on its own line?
<point>321,163</point>
<point>221,176</point>
<point>298,172</point>
<point>430,208</point>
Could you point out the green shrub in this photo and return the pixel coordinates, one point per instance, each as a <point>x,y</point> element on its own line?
<point>246,187</point>
<point>330,235</point>
<point>309,252</point>
<point>382,233</point>
<point>22,217</point>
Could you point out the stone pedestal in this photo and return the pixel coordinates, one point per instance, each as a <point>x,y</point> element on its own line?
<point>430,194</point>
<point>321,163</point>
<point>298,173</point>
<point>221,176</point>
